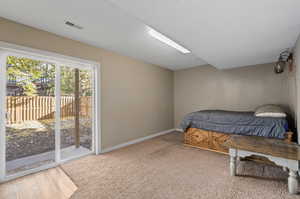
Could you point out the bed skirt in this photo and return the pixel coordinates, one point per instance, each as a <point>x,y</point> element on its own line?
<point>212,141</point>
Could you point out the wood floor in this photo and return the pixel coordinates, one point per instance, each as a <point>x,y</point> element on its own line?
<point>49,184</point>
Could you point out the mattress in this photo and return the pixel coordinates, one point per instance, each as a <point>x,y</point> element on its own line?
<point>233,122</point>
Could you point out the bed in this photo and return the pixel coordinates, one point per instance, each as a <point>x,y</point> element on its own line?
<point>209,129</point>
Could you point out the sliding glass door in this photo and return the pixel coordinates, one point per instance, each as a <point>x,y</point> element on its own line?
<point>29,111</point>
<point>76,111</point>
<point>47,113</point>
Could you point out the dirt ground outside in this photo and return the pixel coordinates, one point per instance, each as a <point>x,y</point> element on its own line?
<point>35,137</point>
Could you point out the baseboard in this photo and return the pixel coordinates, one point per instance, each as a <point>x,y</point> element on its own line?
<point>136,141</point>
<point>180,130</point>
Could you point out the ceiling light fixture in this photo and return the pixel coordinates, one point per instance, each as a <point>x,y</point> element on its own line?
<point>167,41</point>
<point>68,23</point>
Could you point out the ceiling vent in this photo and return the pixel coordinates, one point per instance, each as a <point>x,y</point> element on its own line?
<point>68,23</point>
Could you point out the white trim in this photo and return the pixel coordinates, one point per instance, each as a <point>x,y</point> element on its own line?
<point>97,109</point>
<point>180,130</point>
<point>58,60</point>
<point>2,115</point>
<point>136,141</point>
<point>46,55</point>
<point>75,157</point>
<point>93,110</point>
<point>44,167</point>
<point>57,114</point>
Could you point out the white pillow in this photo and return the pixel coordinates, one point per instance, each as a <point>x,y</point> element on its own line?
<point>270,110</point>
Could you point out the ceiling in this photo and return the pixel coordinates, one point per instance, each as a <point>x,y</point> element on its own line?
<point>225,34</point>
<point>105,26</point>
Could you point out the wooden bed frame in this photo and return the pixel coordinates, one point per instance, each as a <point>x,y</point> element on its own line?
<point>212,141</point>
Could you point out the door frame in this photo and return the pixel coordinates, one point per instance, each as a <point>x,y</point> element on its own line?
<point>7,49</point>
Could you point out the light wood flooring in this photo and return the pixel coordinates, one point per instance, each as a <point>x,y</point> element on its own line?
<point>49,184</point>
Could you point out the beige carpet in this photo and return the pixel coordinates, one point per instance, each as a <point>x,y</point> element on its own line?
<point>162,168</point>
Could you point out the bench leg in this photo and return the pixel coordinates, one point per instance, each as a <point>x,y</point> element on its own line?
<point>232,165</point>
<point>293,182</point>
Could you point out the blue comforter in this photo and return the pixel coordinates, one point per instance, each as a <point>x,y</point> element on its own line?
<point>242,123</point>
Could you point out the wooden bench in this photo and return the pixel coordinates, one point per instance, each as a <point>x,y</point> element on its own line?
<point>281,153</point>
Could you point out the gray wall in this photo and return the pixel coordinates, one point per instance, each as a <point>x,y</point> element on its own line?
<point>243,89</point>
<point>137,98</point>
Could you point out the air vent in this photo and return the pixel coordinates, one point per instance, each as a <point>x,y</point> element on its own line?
<point>68,23</point>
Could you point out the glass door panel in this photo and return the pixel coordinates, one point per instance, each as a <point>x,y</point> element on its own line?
<point>47,115</point>
<point>76,112</point>
<point>30,111</point>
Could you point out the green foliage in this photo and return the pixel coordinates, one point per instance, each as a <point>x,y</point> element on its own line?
<point>24,71</point>
<point>68,81</point>
<point>85,83</point>
<point>28,74</point>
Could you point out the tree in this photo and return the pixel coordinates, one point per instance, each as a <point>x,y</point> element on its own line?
<point>68,81</point>
<point>85,83</point>
<point>38,78</point>
<point>24,71</point>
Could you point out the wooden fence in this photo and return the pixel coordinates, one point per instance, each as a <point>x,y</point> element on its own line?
<point>25,108</point>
